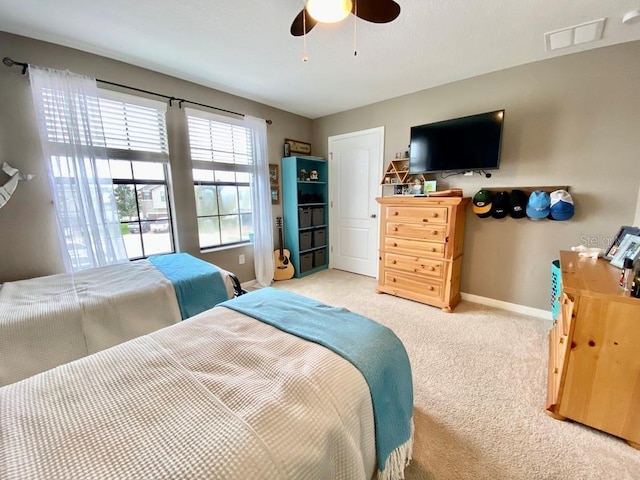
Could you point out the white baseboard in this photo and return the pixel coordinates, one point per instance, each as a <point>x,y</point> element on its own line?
<point>490,302</point>
<point>250,284</point>
<point>511,307</point>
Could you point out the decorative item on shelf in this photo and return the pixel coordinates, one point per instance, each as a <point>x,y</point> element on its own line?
<point>313,175</point>
<point>287,149</point>
<point>429,186</point>
<point>296,146</point>
<point>415,188</point>
<point>303,175</point>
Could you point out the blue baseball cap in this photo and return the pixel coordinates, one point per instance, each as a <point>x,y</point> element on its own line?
<point>561,205</point>
<point>538,206</point>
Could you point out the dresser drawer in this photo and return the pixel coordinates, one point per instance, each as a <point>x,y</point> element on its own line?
<point>417,214</point>
<point>554,373</point>
<point>407,283</point>
<point>434,233</point>
<point>414,247</point>
<point>566,313</point>
<point>414,265</point>
<point>557,351</point>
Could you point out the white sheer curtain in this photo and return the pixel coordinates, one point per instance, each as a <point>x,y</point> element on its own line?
<point>73,144</point>
<point>261,202</point>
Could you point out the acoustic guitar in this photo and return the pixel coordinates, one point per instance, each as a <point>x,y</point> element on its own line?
<point>283,266</point>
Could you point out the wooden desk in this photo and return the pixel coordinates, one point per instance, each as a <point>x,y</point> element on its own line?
<point>594,350</point>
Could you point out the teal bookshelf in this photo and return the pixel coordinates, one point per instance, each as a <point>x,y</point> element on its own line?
<point>305,211</point>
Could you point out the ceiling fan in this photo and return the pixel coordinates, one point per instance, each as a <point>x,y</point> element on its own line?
<point>376,11</point>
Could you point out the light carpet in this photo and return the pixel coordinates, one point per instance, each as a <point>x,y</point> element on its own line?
<point>480,387</point>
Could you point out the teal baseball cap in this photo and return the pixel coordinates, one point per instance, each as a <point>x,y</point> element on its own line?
<point>538,206</point>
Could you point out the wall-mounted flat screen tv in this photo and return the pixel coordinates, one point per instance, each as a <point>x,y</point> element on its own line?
<point>462,144</point>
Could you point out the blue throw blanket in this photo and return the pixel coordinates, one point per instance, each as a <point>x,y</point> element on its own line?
<point>199,285</point>
<point>371,347</point>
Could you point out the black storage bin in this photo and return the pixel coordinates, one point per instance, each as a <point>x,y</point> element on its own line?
<point>304,217</point>
<point>306,262</point>
<point>317,216</point>
<point>319,257</point>
<point>305,240</point>
<point>319,238</point>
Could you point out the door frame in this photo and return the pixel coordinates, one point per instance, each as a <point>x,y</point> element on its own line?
<point>375,186</point>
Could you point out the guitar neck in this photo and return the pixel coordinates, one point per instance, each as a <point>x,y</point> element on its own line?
<point>281,246</point>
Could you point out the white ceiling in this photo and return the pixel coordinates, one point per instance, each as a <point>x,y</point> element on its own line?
<point>244,47</point>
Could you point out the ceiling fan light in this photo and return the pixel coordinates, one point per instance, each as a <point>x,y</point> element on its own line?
<point>329,11</point>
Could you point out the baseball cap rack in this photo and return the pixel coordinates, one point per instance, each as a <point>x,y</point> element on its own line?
<point>528,190</point>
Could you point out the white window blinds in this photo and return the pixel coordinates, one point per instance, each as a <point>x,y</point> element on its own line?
<point>218,143</point>
<point>134,128</point>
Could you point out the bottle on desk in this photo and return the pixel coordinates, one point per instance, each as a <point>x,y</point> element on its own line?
<point>627,275</point>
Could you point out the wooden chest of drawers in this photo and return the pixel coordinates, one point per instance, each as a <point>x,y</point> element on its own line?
<point>421,248</point>
<point>594,364</point>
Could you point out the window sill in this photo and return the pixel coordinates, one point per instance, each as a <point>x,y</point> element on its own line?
<point>224,248</point>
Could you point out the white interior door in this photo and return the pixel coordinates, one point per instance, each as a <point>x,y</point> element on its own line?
<point>355,169</point>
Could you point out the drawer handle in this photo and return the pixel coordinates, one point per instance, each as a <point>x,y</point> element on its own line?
<point>393,279</point>
<point>431,269</point>
<point>433,249</point>
<point>395,229</point>
<point>395,213</point>
<point>434,215</point>
<point>394,244</point>
<point>555,370</point>
<point>431,288</point>
<point>561,339</point>
<point>434,232</point>
<point>425,219</point>
<point>393,262</point>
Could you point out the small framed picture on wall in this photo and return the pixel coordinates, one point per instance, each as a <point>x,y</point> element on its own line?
<point>274,174</point>
<point>275,195</point>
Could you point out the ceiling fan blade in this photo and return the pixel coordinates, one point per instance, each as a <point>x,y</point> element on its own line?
<point>376,11</point>
<point>297,27</point>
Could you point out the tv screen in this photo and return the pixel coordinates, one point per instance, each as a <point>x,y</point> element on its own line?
<point>460,144</point>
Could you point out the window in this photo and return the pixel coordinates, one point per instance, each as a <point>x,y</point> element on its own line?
<point>221,154</point>
<point>136,139</point>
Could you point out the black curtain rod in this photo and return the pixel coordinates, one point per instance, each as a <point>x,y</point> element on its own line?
<point>11,63</point>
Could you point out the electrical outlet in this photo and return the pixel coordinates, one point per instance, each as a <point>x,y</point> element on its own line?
<point>241,258</point>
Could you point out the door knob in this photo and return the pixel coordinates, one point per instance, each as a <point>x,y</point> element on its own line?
<point>373,215</point>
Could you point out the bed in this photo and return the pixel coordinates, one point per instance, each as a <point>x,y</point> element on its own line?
<point>51,320</point>
<point>229,394</point>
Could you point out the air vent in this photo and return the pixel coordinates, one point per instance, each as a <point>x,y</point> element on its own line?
<point>576,35</point>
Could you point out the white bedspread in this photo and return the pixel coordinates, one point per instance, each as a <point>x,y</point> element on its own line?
<point>48,321</point>
<point>218,396</point>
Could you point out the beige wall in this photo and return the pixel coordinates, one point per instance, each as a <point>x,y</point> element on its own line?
<point>572,120</point>
<point>27,230</point>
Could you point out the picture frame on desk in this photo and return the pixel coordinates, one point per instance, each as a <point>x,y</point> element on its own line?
<point>628,248</point>
<point>617,240</point>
